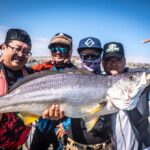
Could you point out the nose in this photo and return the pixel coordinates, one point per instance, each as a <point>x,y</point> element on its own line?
<point>89,57</point>
<point>58,52</point>
<point>20,53</point>
<point>113,62</point>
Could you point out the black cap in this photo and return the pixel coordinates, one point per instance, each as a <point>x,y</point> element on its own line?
<point>17,34</point>
<point>89,43</point>
<point>113,49</point>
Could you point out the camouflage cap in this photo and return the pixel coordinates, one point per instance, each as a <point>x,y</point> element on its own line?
<point>61,38</point>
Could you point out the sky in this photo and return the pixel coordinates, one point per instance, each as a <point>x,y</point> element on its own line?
<point>125,21</point>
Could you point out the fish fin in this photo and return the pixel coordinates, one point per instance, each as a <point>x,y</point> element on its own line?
<point>98,108</point>
<point>28,118</point>
<point>90,123</point>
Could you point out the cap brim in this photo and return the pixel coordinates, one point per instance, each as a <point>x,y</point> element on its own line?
<point>65,44</point>
<point>96,48</point>
<point>114,55</point>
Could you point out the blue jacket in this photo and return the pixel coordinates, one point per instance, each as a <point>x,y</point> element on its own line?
<point>45,133</point>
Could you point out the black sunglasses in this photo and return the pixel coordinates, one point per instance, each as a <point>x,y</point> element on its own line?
<point>90,56</point>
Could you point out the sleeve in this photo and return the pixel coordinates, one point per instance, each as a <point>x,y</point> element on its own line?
<point>44,66</point>
<point>66,123</point>
<point>139,117</point>
<point>141,124</point>
<point>44,125</point>
<point>40,141</point>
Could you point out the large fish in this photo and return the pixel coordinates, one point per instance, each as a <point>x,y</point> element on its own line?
<point>80,95</point>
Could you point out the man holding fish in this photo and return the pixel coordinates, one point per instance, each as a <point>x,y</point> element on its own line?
<point>15,52</point>
<point>130,127</point>
<point>53,131</point>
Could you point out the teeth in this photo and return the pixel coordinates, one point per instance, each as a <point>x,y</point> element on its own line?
<point>17,60</point>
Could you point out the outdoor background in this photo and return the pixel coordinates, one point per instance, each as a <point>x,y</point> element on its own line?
<point>126,21</point>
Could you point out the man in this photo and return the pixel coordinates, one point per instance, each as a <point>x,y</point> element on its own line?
<point>130,128</point>
<point>15,52</point>
<point>51,131</point>
<point>61,51</point>
<point>90,51</point>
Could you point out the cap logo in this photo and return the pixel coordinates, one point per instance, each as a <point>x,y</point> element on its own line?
<point>89,43</point>
<point>112,48</point>
<point>61,34</point>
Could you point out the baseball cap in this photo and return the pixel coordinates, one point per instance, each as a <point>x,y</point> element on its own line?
<point>113,49</point>
<point>89,43</point>
<point>61,38</point>
<point>17,34</point>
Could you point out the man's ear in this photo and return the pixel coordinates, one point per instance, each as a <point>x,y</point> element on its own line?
<point>102,63</point>
<point>124,62</point>
<point>3,47</point>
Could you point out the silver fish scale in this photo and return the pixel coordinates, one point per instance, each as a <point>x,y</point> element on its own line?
<point>77,94</point>
<point>56,83</point>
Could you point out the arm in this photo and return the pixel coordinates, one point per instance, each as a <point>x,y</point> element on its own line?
<point>139,117</point>
<point>63,127</point>
<point>44,133</point>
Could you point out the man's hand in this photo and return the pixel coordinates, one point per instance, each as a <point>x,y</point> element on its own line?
<point>61,131</point>
<point>54,112</point>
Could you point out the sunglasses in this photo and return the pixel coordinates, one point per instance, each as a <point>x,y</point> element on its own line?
<point>90,56</point>
<point>16,50</point>
<point>62,50</point>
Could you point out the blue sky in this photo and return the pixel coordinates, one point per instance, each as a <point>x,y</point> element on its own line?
<point>126,21</point>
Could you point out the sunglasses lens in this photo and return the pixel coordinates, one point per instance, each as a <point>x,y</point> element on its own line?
<point>62,50</point>
<point>92,56</point>
<point>53,50</point>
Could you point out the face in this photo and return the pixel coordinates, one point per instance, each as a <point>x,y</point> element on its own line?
<point>15,54</point>
<point>114,65</point>
<point>60,54</point>
<point>90,54</point>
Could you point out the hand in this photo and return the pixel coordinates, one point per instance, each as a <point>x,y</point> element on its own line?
<point>61,131</point>
<point>54,112</point>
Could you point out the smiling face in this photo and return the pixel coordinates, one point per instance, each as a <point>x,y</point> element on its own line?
<point>14,54</point>
<point>60,54</point>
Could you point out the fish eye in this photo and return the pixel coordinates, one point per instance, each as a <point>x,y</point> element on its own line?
<point>131,78</point>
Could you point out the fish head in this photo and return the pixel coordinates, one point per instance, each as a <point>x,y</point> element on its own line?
<point>125,91</point>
